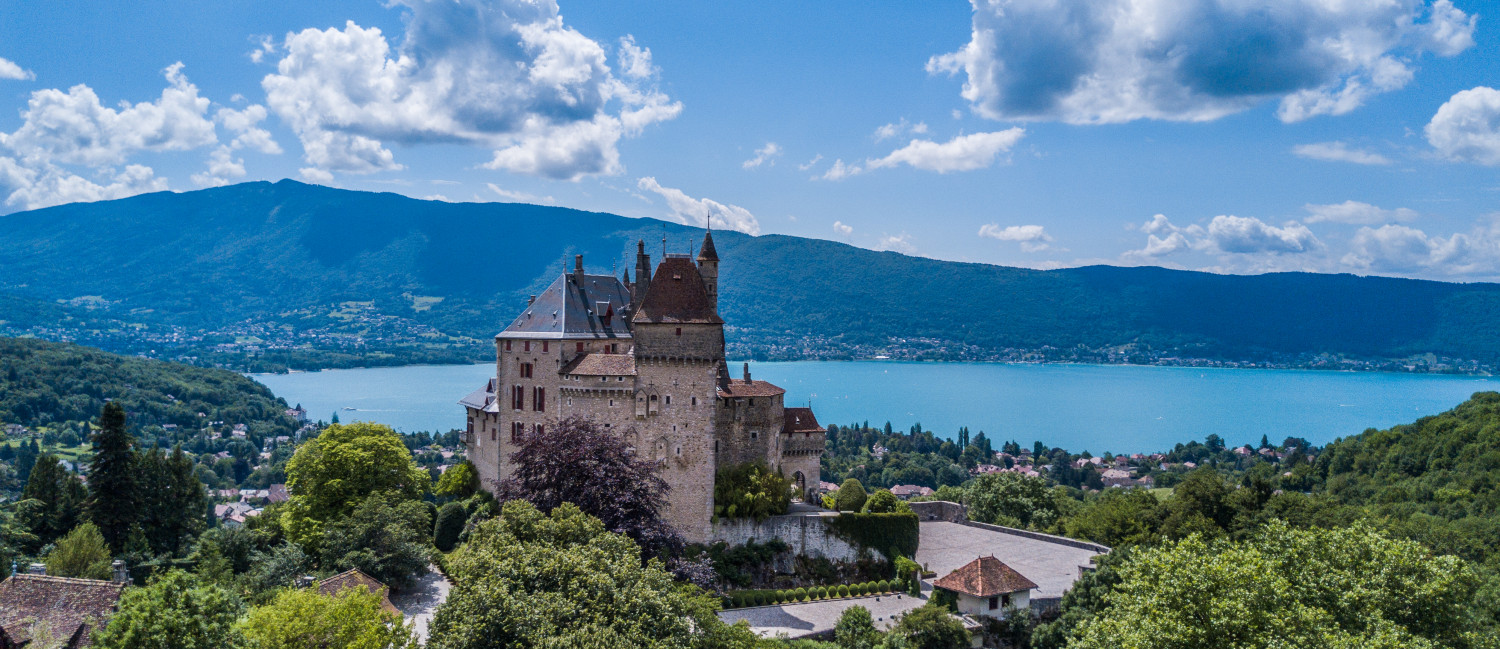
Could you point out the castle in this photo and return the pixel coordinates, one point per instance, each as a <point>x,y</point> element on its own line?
<point>644,358</point>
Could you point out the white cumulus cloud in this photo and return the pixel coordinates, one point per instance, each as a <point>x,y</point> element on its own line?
<point>9,70</point>
<point>1466,128</point>
<point>1401,249</point>
<point>765,155</point>
<point>1339,152</point>
<point>842,229</point>
<point>962,153</point>
<point>507,75</point>
<point>899,128</point>
<point>1357,213</point>
<point>1033,238</point>
<point>1225,234</point>
<point>64,131</point>
<point>840,171</point>
<point>696,211</point>
<point>897,243</point>
<point>1106,61</point>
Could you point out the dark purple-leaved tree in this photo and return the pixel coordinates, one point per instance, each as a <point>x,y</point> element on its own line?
<point>577,461</point>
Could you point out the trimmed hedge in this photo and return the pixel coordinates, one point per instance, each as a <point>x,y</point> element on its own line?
<point>893,535</point>
<point>747,598</point>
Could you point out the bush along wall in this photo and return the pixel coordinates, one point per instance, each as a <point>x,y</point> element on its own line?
<point>748,598</point>
<point>893,535</point>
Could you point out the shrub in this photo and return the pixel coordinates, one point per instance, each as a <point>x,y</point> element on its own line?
<point>843,591</point>
<point>450,523</point>
<point>905,567</point>
<point>893,535</point>
<point>800,594</point>
<point>885,502</point>
<point>851,496</point>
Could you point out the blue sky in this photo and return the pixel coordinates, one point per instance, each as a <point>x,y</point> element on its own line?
<point>1224,135</point>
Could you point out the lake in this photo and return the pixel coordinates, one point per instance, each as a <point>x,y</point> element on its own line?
<point>1117,408</point>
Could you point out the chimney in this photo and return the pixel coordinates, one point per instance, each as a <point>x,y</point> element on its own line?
<point>531,300</point>
<point>36,569</point>
<point>578,269</point>
<point>642,273</point>
<point>747,372</point>
<point>121,574</point>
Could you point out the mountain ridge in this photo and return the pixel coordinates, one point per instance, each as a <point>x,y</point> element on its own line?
<point>287,265</point>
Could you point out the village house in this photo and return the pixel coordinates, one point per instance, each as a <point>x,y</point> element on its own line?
<point>69,610</point>
<point>909,491</point>
<point>987,587</point>
<point>354,578</point>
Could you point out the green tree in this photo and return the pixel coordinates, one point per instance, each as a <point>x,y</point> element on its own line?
<point>459,481</point>
<point>529,579</point>
<point>307,619</point>
<point>928,627</point>
<point>60,496</point>
<point>1011,499</point>
<point>81,553</point>
<point>1348,587</point>
<point>330,475</point>
<point>173,500</point>
<point>450,523</point>
<point>751,490</point>
<point>856,629</point>
<point>851,496</point>
<point>885,502</point>
<point>176,611</point>
<point>1117,517</point>
<point>385,537</point>
<point>113,496</point>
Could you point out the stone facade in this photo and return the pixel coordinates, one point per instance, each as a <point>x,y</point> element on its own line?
<point>808,536</point>
<point>644,358</point>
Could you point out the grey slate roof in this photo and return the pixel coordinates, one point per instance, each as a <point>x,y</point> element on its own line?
<point>481,399</point>
<point>569,309</point>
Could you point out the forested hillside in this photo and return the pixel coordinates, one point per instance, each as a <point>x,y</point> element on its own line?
<point>63,386</point>
<point>241,274</point>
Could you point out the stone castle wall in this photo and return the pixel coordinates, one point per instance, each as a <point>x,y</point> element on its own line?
<point>809,536</point>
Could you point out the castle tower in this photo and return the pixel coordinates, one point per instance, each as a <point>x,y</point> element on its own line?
<point>708,267</point>
<point>642,274</point>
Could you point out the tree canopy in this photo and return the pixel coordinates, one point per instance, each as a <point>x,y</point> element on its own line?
<point>175,611</point>
<point>331,474</point>
<point>303,618</point>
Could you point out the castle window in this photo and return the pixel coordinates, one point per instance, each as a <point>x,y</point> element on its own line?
<point>679,331</point>
<point>544,346</point>
<point>539,399</point>
<point>752,434</point>
<point>517,397</point>
<point>695,401</point>
<point>527,346</point>
<point>507,345</point>
<point>669,399</point>
<point>614,348</point>
<point>620,378</point>
<point>526,370</point>
<point>516,429</point>
<point>580,348</point>
<point>539,429</point>
<point>570,401</point>
<point>611,403</point>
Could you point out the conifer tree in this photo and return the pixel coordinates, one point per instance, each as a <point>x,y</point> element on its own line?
<point>59,495</point>
<point>113,502</point>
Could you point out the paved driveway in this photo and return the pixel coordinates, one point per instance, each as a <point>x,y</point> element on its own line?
<point>419,602</point>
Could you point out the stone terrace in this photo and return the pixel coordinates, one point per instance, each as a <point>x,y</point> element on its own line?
<point>1052,562</point>
<point>811,618</point>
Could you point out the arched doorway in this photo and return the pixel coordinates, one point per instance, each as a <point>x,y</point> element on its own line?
<point>801,482</point>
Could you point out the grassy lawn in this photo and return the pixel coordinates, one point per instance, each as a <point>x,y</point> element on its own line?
<point>71,453</point>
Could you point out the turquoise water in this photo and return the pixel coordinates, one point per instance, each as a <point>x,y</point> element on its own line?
<point>1078,407</point>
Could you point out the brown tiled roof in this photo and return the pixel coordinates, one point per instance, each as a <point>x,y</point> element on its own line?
<point>71,608</point>
<point>596,364</point>
<point>676,295</point>
<point>353,578</point>
<point>985,577</point>
<point>741,388</point>
<point>800,420</point>
<point>277,493</point>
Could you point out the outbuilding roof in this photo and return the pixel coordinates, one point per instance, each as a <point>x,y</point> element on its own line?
<point>70,608</point>
<point>353,578</point>
<point>985,577</point>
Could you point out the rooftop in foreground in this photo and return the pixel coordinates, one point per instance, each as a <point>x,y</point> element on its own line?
<point>1054,566</point>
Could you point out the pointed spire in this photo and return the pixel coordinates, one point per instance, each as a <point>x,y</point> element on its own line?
<point>708,253</point>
